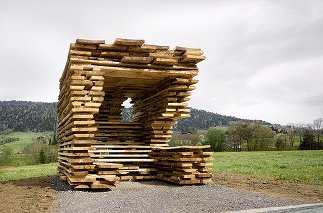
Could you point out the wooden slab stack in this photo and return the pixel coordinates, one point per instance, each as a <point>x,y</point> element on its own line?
<point>161,107</point>
<point>80,98</point>
<point>183,165</point>
<point>135,160</point>
<point>96,80</point>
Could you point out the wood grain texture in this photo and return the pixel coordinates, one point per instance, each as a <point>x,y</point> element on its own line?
<point>97,149</point>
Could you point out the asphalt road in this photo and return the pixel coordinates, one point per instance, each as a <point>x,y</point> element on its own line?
<point>303,208</point>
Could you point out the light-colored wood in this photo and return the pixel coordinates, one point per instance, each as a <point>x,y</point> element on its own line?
<point>185,147</point>
<point>96,149</point>
<point>128,42</point>
<point>86,41</point>
<point>182,165</point>
<point>124,160</point>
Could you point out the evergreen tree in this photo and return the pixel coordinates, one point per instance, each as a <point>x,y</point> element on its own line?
<point>308,141</point>
<point>42,157</point>
<point>54,140</point>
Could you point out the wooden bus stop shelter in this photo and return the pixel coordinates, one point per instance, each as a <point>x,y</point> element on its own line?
<point>97,148</point>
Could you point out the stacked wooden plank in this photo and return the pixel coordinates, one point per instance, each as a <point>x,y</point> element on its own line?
<point>79,100</point>
<point>161,107</point>
<point>96,80</point>
<point>135,160</point>
<point>183,165</point>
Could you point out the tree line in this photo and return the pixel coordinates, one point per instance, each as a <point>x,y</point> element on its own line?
<point>242,136</point>
<point>203,120</point>
<point>4,140</point>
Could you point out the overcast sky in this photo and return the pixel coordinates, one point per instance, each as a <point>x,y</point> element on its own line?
<point>264,59</point>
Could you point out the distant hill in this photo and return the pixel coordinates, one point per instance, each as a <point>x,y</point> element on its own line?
<point>39,116</point>
<point>27,116</point>
<point>201,119</point>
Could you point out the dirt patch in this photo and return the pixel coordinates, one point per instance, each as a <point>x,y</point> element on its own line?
<point>6,167</point>
<point>291,190</point>
<point>28,195</point>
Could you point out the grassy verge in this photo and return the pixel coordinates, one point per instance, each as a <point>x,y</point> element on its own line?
<point>20,160</point>
<point>305,166</point>
<point>23,172</point>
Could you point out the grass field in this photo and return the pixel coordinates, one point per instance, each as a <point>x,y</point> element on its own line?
<point>25,138</point>
<point>20,160</point>
<point>23,172</point>
<point>305,166</point>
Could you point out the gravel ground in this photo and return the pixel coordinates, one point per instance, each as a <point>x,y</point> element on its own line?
<point>154,196</point>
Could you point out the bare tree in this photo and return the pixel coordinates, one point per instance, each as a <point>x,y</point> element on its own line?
<point>299,129</point>
<point>318,127</point>
<point>290,131</point>
<point>235,136</point>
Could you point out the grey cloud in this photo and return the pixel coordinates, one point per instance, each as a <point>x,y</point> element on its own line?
<point>264,58</point>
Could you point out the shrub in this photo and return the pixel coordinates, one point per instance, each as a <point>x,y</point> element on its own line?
<point>281,142</point>
<point>42,151</point>
<point>5,155</point>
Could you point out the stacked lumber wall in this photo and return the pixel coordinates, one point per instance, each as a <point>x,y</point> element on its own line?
<point>96,147</point>
<point>183,165</point>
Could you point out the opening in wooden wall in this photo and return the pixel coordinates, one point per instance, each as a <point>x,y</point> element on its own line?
<point>127,112</point>
<point>97,148</point>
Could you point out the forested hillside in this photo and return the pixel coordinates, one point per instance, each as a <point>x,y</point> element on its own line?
<point>201,119</point>
<point>38,116</point>
<point>27,116</point>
